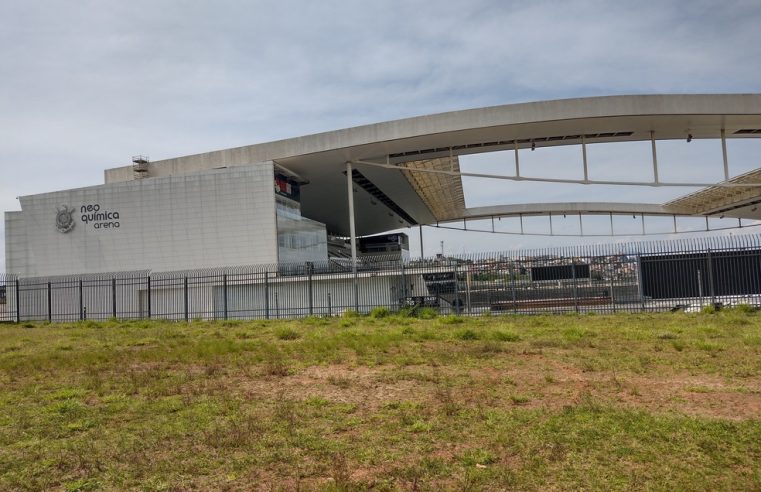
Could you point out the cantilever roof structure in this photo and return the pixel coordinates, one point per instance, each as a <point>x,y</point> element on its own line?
<point>407,172</point>
<point>737,201</point>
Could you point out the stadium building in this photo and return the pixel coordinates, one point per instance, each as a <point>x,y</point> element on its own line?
<point>308,199</point>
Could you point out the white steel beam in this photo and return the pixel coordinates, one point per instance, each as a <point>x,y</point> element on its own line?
<point>724,154</point>
<point>655,158</point>
<point>352,231</point>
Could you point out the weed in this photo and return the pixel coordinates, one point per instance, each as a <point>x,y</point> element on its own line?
<point>744,308</point>
<point>446,399</point>
<point>678,346</point>
<point>451,320</point>
<point>519,399</point>
<point>709,309</point>
<point>709,347</point>
<point>478,456</point>
<point>467,334</point>
<point>419,426</point>
<point>276,365</point>
<point>287,333</point>
<point>340,472</point>
<point>380,312</point>
<point>427,313</point>
<point>340,381</point>
<point>505,336</point>
<point>697,389</point>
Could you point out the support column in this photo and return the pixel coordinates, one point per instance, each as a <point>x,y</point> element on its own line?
<point>611,223</point>
<point>584,157</point>
<point>517,160</point>
<point>421,241</point>
<point>352,232</point>
<point>655,157</point>
<point>724,154</point>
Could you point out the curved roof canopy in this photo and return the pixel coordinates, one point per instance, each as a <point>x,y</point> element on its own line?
<point>434,143</point>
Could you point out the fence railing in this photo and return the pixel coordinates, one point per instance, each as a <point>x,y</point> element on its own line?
<point>653,276</point>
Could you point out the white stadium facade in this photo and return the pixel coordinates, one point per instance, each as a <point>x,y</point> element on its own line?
<point>326,197</point>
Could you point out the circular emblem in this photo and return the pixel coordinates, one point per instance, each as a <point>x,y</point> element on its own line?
<point>64,222</point>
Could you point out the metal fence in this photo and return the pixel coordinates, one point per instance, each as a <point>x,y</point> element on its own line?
<point>653,276</point>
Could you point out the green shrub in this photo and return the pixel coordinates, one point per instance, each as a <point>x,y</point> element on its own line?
<point>287,333</point>
<point>380,312</point>
<point>427,313</point>
<point>478,457</point>
<point>520,399</point>
<point>667,336</point>
<point>452,320</point>
<point>708,309</point>
<point>350,313</point>
<point>468,334</point>
<point>406,312</point>
<point>506,336</point>
<point>744,308</point>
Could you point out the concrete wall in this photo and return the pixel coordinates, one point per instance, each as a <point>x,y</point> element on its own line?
<point>208,219</point>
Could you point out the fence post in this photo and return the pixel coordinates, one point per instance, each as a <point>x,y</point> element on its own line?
<point>356,289</point>
<point>575,286</point>
<point>612,296</point>
<point>310,267</point>
<point>81,302</point>
<point>330,306</point>
<point>18,302</point>
<point>513,275</point>
<point>149,297</point>
<point>50,304</point>
<point>700,287</point>
<point>185,295</point>
<point>711,288</point>
<point>467,291</point>
<point>640,287</point>
<point>456,291</point>
<point>224,294</point>
<point>404,282</point>
<point>266,294</point>
<point>113,297</point>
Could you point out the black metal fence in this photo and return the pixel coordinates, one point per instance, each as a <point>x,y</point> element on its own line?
<point>655,276</point>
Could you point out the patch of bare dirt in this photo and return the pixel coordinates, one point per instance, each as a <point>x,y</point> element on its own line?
<point>543,383</point>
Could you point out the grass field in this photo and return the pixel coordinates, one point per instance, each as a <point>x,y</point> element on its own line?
<point>657,402</point>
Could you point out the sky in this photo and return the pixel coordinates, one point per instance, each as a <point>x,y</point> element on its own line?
<point>85,85</point>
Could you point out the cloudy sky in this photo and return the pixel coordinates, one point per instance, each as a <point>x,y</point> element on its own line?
<point>86,84</point>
